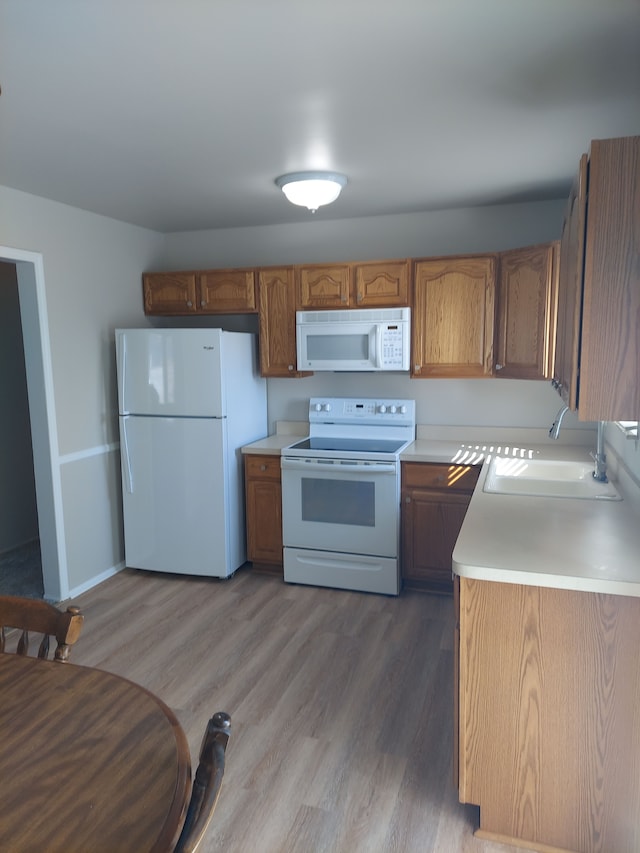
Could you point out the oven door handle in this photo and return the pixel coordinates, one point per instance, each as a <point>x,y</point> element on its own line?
<point>295,464</point>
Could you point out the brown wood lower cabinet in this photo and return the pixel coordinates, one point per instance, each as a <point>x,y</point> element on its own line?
<point>263,496</point>
<point>434,502</point>
<point>548,715</point>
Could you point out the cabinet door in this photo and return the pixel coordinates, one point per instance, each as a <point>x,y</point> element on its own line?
<point>453,317</point>
<point>169,293</point>
<point>263,510</point>
<point>434,503</point>
<point>382,283</point>
<point>609,386</point>
<point>276,298</point>
<point>227,292</point>
<point>322,286</point>
<point>525,313</point>
<point>431,524</point>
<point>570,276</point>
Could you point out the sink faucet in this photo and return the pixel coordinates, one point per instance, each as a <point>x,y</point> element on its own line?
<point>554,432</point>
<point>599,457</point>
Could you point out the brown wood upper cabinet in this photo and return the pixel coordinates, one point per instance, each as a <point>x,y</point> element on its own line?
<point>277,317</point>
<point>200,292</point>
<point>322,286</point>
<point>169,293</point>
<point>228,291</point>
<point>453,316</point>
<point>525,312</point>
<point>598,343</point>
<point>353,285</point>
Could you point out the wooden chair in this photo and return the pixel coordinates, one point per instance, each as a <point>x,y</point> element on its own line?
<point>207,782</point>
<point>29,614</point>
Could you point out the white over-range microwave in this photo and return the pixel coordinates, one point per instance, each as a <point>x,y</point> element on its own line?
<point>363,339</point>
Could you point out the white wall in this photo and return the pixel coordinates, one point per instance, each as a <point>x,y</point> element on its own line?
<point>447,232</point>
<point>92,268</point>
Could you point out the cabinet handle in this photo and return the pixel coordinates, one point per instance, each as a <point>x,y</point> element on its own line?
<point>203,302</point>
<point>189,303</point>
<point>263,467</point>
<point>499,366</point>
<point>343,300</point>
<point>407,500</point>
<point>289,367</point>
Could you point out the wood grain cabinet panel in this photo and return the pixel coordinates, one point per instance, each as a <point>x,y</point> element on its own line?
<point>263,496</point>
<point>434,501</point>
<point>200,292</point>
<point>453,317</point>
<point>381,283</point>
<point>549,731</point>
<point>525,313</point>
<point>170,293</point>
<point>277,318</point>
<point>322,286</point>
<point>227,291</point>
<point>598,343</point>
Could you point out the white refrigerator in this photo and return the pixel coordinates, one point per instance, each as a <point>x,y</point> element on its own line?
<point>188,399</point>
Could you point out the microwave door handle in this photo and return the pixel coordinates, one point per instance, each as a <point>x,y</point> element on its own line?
<point>377,338</point>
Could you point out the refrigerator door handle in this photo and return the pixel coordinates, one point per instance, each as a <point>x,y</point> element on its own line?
<point>122,358</point>
<point>126,458</point>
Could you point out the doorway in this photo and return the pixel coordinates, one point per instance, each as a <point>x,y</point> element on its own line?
<point>20,561</point>
<point>29,275</point>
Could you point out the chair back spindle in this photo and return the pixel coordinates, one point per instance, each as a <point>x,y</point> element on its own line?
<point>28,615</point>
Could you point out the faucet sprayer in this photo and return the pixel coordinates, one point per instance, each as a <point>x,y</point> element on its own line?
<point>554,432</point>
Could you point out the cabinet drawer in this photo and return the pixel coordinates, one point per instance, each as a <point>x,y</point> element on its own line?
<point>428,475</point>
<point>266,467</point>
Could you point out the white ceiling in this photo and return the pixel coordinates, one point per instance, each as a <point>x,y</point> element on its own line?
<point>179,114</point>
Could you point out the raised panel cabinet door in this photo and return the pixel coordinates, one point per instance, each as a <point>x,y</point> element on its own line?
<point>382,283</point>
<point>277,320</point>
<point>609,386</point>
<point>263,509</point>
<point>321,286</point>
<point>570,280</point>
<point>525,313</point>
<point>169,293</point>
<point>453,317</point>
<point>227,291</point>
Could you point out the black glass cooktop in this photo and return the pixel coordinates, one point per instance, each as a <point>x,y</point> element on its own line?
<point>353,445</point>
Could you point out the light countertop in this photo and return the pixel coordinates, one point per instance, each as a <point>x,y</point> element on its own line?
<point>566,543</point>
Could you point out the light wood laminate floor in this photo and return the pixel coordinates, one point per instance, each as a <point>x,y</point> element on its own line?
<point>341,705</point>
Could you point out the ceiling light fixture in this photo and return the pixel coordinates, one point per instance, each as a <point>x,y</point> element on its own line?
<point>311,189</point>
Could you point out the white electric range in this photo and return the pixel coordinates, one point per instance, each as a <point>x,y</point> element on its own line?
<point>341,494</point>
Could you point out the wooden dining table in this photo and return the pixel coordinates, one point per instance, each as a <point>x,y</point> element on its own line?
<point>89,762</point>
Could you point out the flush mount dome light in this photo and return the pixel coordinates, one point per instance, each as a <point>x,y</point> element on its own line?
<point>311,189</point>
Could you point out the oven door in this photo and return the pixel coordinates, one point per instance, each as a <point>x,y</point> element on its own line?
<point>348,506</point>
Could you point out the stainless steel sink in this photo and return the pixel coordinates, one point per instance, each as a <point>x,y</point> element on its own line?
<point>549,478</point>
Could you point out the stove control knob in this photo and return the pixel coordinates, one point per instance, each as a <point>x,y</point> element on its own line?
<point>403,410</point>
<point>382,409</point>
<point>326,407</point>
<point>318,407</point>
<point>393,409</point>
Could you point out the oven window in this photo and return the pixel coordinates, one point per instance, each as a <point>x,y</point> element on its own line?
<point>338,502</point>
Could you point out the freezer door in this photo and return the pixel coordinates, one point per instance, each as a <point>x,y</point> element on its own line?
<point>169,372</point>
<point>176,518</point>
